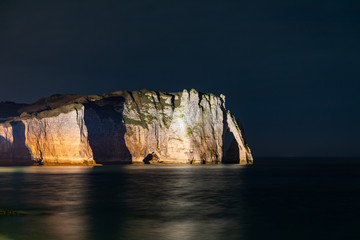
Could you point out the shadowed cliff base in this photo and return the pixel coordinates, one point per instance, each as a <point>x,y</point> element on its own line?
<point>6,152</point>
<point>21,153</point>
<point>15,152</point>
<point>106,131</point>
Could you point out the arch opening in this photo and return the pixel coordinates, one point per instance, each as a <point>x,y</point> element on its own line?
<point>230,149</point>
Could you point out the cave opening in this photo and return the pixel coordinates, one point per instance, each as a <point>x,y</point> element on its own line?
<point>150,157</point>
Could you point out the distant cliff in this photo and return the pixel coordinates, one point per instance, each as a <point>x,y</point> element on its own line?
<point>123,127</point>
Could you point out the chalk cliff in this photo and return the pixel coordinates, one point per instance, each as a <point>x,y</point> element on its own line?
<point>123,127</point>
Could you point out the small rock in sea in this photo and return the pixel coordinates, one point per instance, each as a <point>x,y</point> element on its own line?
<point>8,213</point>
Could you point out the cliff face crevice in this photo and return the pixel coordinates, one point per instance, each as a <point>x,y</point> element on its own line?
<point>127,127</point>
<point>106,131</point>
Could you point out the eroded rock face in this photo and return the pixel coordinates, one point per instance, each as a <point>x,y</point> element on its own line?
<point>56,140</point>
<point>123,127</point>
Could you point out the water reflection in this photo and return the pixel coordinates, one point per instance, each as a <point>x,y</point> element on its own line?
<point>126,202</point>
<point>47,169</point>
<point>182,202</point>
<point>67,207</point>
<point>54,200</point>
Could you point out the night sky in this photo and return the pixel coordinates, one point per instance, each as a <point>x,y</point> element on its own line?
<point>290,70</point>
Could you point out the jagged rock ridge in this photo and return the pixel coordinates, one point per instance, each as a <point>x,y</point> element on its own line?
<point>123,127</point>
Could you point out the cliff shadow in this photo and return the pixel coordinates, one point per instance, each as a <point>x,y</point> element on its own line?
<point>230,149</point>
<point>106,130</point>
<point>5,152</point>
<point>15,153</point>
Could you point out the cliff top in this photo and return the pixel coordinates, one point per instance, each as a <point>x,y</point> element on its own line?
<point>9,109</point>
<point>62,103</point>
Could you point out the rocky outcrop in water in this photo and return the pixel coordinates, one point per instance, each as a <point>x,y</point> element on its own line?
<point>123,127</point>
<point>8,213</point>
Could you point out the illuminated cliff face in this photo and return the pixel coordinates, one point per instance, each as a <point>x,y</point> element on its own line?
<point>124,127</point>
<point>186,127</point>
<point>55,140</point>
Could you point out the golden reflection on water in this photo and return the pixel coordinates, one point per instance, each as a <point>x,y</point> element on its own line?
<point>126,202</point>
<point>57,198</point>
<point>47,169</point>
<point>69,196</point>
<point>187,207</point>
<point>183,202</point>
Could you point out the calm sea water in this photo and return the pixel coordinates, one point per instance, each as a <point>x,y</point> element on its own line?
<point>273,199</point>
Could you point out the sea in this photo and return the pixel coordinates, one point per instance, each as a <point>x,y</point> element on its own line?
<point>275,198</point>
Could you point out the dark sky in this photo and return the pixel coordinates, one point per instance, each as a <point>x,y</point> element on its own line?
<point>289,69</point>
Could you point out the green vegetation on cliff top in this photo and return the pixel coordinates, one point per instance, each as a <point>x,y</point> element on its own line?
<point>57,111</point>
<point>141,101</point>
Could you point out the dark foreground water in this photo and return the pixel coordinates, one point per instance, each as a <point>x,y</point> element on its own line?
<point>273,199</point>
